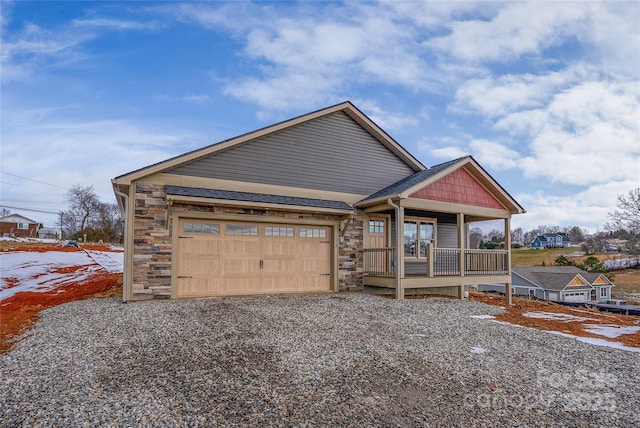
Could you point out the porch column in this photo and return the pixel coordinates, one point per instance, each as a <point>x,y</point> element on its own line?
<point>461,252</point>
<point>400,251</point>
<point>507,244</point>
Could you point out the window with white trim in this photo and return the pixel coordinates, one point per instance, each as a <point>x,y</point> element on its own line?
<point>23,225</point>
<point>376,226</point>
<point>603,292</point>
<point>417,234</point>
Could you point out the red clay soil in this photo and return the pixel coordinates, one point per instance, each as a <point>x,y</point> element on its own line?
<point>515,315</point>
<point>20,311</point>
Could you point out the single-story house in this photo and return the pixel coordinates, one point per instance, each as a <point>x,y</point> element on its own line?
<point>551,240</point>
<point>326,201</point>
<point>49,233</point>
<point>556,283</point>
<point>19,226</point>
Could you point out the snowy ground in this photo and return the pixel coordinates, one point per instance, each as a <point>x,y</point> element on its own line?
<point>32,271</point>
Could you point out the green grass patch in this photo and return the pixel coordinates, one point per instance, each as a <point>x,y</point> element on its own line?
<point>531,257</point>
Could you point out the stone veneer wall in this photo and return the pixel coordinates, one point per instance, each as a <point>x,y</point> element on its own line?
<point>153,246</point>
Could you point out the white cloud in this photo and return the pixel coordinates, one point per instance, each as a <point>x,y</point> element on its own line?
<point>448,153</point>
<point>493,154</point>
<point>384,118</point>
<point>517,29</point>
<point>24,53</point>
<point>590,135</point>
<point>588,208</point>
<point>493,97</point>
<point>309,57</point>
<point>90,153</point>
<point>196,99</point>
<point>116,24</point>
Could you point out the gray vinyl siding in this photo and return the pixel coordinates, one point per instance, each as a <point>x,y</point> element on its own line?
<point>330,153</point>
<point>447,236</point>
<point>518,280</point>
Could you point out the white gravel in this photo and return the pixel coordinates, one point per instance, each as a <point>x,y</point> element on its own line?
<point>330,360</point>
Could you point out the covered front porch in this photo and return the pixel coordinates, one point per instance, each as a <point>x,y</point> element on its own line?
<point>416,236</point>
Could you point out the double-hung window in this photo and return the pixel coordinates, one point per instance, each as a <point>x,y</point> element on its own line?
<point>417,234</point>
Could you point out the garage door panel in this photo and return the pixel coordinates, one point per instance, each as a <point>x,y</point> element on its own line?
<point>199,286</point>
<point>250,258</point>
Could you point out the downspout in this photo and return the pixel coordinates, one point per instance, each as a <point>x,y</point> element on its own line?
<point>399,292</point>
<point>125,238</point>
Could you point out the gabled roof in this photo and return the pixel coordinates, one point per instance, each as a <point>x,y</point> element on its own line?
<point>555,278</point>
<point>12,218</point>
<point>405,187</point>
<point>346,107</point>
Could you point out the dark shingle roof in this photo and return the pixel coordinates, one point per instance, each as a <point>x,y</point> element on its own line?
<point>410,181</point>
<point>256,197</point>
<point>553,277</point>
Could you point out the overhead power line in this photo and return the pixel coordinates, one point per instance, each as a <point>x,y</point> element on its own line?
<point>35,181</point>
<point>29,209</point>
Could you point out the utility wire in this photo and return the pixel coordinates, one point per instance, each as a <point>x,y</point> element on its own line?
<point>29,209</point>
<point>31,179</point>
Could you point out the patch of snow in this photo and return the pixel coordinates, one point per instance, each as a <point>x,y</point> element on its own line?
<point>611,330</point>
<point>111,261</point>
<point>556,316</point>
<point>33,240</point>
<point>30,271</point>
<point>478,350</point>
<point>482,317</point>
<point>598,342</point>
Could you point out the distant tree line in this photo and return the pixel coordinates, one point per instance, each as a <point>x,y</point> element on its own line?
<point>89,217</point>
<point>624,225</point>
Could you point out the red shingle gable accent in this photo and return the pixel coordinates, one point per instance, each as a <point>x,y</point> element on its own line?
<point>458,187</point>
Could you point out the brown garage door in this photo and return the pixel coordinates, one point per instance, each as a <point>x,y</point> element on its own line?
<point>227,258</point>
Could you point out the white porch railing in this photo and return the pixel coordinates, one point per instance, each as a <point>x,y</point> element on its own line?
<point>440,262</point>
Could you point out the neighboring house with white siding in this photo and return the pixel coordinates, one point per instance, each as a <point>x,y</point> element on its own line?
<point>16,225</point>
<point>557,284</point>
<point>323,202</point>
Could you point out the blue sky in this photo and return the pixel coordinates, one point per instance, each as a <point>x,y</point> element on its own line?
<point>545,95</point>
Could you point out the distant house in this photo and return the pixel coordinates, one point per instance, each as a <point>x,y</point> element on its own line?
<point>49,233</point>
<point>551,240</point>
<point>566,284</point>
<point>18,226</point>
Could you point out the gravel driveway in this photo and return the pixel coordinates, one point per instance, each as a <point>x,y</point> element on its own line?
<point>330,360</point>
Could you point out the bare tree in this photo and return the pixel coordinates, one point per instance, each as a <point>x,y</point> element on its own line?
<point>82,201</point>
<point>87,215</point>
<point>475,237</point>
<point>627,218</point>
<point>576,234</point>
<point>517,237</point>
<point>5,212</point>
<point>496,235</point>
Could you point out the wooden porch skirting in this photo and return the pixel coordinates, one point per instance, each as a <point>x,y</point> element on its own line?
<point>419,281</point>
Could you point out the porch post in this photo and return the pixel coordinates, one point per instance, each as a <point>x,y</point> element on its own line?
<point>507,244</point>
<point>461,250</point>
<point>400,251</point>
